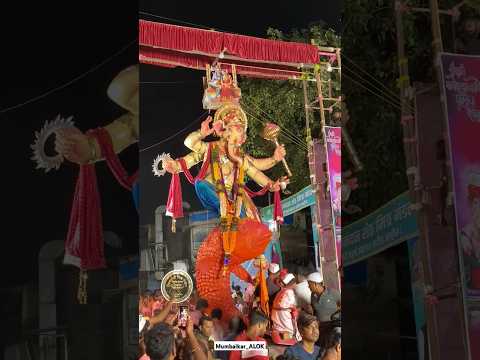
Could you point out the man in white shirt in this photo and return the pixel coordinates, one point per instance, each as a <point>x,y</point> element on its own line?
<point>284,313</point>
<point>302,292</point>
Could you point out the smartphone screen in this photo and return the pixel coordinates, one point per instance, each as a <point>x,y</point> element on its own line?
<point>182,316</point>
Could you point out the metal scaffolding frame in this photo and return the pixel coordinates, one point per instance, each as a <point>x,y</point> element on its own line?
<point>323,219</point>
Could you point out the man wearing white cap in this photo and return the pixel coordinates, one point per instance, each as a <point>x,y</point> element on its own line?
<point>324,302</point>
<point>302,292</point>
<point>273,288</point>
<point>284,314</point>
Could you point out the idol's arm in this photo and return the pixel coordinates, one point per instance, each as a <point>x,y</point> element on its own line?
<point>173,166</point>
<point>263,164</point>
<point>123,132</point>
<point>256,175</point>
<point>194,142</point>
<point>193,158</point>
<point>81,149</point>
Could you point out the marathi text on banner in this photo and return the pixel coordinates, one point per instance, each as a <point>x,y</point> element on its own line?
<point>334,163</point>
<point>461,76</point>
<point>390,225</point>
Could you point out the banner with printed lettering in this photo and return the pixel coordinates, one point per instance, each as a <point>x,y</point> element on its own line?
<point>334,162</point>
<point>461,75</point>
<point>296,202</point>
<point>393,223</point>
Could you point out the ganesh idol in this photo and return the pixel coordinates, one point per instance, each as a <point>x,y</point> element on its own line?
<point>220,186</point>
<point>221,190</point>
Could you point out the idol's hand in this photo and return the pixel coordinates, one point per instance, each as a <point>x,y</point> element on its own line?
<point>73,145</point>
<point>171,166</point>
<point>279,153</point>
<point>205,128</point>
<point>218,128</point>
<point>280,184</point>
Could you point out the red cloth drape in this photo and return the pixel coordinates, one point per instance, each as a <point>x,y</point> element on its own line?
<point>277,202</point>
<point>174,202</point>
<point>277,208</point>
<point>84,244</point>
<point>203,170</point>
<point>207,42</point>
<point>170,46</point>
<point>167,36</point>
<point>271,51</point>
<point>171,58</point>
<point>113,162</point>
<point>252,193</point>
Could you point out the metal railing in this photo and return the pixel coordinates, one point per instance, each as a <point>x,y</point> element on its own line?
<point>43,344</point>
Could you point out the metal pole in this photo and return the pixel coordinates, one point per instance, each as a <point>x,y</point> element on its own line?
<point>307,112</point>
<point>437,50</point>
<point>323,141</point>
<point>320,103</point>
<point>65,346</point>
<point>409,134</point>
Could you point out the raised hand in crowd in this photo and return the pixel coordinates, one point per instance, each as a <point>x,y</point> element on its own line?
<point>162,316</point>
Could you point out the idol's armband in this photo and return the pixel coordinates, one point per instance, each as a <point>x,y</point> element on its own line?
<point>123,133</point>
<point>193,159</point>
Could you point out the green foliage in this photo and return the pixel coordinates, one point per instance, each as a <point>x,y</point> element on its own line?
<point>369,41</point>
<point>282,102</point>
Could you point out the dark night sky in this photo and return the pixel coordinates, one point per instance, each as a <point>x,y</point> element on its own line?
<point>42,49</point>
<point>46,47</point>
<point>168,108</point>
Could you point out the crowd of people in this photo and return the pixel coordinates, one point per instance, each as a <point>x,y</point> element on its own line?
<point>304,322</point>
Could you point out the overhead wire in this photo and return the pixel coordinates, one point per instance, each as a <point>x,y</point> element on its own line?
<point>175,20</point>
<point>166,82</point>
<point>294,141</point>
<point>300,146</point>
<point>382,85</point>
<point>284,130</point>
<point>389,96</point>
<point>287,133</point>
<point>383,98</point>
<point>68,83</point>
<point>176,134</point>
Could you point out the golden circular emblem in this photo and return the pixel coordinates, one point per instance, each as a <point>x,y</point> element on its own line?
<point>177,286</point>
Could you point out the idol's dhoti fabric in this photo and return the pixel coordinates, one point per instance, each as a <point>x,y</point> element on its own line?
<point>209,198</point>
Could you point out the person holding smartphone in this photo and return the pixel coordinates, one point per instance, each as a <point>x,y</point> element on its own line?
<point>199,341</point>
